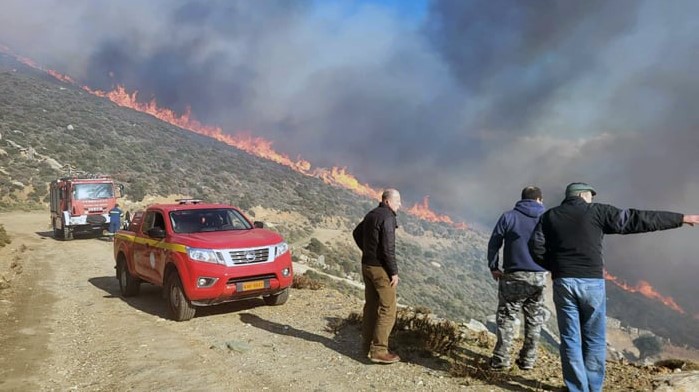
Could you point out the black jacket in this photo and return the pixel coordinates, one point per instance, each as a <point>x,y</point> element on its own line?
<point>568,239</point>
<point>376,237</point>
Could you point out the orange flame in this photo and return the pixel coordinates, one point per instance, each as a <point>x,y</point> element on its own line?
<point>644,288</point>
<point>253,145</point>
<point>422,210</point>
<point>31,63</point>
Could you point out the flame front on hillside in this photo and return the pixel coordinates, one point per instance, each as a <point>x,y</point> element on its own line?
<point>422,210</point>
<point>644,288</point>
<point>257,146</point>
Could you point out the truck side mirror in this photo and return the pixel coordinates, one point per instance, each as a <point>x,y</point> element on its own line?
<point>258,224</point>
<point>156,232</point>
<point>120,187</point>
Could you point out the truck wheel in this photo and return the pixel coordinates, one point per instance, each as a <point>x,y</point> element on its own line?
<point>128,285</point>
<point>67,234</point>
<point>180,307</point>
<point>277,299</point>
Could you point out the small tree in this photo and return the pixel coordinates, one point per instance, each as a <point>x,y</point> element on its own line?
<point>648,345</point>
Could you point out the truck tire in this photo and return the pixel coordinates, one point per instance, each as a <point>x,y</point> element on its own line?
<point>128,285</point>
<point>180,307</point>
<point>67,234</point>
<point>277,299</point>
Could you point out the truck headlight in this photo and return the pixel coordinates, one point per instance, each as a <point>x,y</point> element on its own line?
<point>205,255</point>
<point>280,249</point>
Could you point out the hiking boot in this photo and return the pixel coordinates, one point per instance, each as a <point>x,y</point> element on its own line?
<point>365,352</point>
<point>498,366</point>
<point>524,365</point>
<point>384,357</point>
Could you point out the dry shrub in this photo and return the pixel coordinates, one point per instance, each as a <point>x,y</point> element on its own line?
<point>435,334</point>
<point>305,282</point>
<point>682,364</point>
<point>477,369</point>
<point>4,238</point>
<point>417,328</point>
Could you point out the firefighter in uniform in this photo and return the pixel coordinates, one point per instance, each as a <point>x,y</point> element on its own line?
<point>114,220</point>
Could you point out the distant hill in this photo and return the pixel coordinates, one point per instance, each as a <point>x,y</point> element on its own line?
<point>47,126</point>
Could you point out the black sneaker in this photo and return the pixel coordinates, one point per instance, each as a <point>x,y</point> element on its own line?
<point>524,365</point>
<point>499,366</point>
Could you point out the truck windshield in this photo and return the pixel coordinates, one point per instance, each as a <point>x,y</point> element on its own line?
<point>93,191</point>
<point>216,219</point>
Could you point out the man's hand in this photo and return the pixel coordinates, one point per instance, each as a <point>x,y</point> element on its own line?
<point>497,274</point>
<point>690,219</point>
<point>394,280</point>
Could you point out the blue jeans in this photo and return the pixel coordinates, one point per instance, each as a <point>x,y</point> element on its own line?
<point>581,306</point>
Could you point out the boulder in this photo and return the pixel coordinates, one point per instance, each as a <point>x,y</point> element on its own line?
<point>677,382</point>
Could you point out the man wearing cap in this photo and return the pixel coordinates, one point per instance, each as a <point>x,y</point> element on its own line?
<point>521,284</point>
<point>568,242</point>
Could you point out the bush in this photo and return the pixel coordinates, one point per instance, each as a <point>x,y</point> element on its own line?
<point>648,345</point>
<point>4,238</point>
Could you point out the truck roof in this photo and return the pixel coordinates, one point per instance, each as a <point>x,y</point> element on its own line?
<point>189,206</point>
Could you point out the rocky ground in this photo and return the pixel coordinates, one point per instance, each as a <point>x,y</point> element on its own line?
<point>64,326</point>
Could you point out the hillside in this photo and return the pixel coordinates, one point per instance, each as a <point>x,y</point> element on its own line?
<point>47,127</point>
<point>441,266</point>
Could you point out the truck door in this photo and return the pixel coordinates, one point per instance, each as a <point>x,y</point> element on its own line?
<point>149,254</point>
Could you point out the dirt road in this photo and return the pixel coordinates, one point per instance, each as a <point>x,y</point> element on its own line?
<point>64,326</point>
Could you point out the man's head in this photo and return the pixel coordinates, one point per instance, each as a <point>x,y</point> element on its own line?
<point>532,193</point>
<point>391,198</point>
<point>582,190</point>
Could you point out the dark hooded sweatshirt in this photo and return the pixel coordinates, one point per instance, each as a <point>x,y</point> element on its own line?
<point>568,239</point>
<point>514,228</point>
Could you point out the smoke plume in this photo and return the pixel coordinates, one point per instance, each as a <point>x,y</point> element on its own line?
<point>467,101</point>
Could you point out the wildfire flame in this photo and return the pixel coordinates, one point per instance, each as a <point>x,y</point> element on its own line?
<point>31,63</point>
<point>644,288</point>
<point>422,210</point>
<point>260,147</point>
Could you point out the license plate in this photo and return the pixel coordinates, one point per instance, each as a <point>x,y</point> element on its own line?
<point>254,285</point>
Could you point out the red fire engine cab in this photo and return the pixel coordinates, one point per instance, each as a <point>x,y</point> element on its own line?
<point>80,205</point>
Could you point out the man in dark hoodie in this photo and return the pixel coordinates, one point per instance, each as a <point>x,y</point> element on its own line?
<point>376,237</point>
<point>568,242</point>
<point>521,284</point>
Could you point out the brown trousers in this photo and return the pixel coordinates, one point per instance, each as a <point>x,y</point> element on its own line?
<point>379,309</point>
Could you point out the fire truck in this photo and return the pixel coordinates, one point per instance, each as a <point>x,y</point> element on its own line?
<point>80,205</point>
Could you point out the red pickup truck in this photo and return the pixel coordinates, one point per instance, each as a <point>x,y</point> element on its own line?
<point>201,254</point>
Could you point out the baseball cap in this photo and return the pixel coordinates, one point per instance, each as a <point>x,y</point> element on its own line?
<point>577,187</point>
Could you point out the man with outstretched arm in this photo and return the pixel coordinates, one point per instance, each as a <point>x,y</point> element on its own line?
<point>376,237</point>
<point>568,242</point>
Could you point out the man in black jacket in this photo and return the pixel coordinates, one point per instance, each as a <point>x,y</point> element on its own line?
<point>376,237</point>
<point>568,242</point>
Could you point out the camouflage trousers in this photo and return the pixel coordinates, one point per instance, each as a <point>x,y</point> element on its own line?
<point>517,291</point>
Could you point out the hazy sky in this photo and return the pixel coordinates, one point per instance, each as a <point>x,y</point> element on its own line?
<point>465,101</point>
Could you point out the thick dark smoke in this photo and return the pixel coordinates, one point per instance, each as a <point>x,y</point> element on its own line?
<point>467,101</point>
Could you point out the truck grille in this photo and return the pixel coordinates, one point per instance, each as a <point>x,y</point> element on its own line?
<point>266,277</point>
<point>249,256</point>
